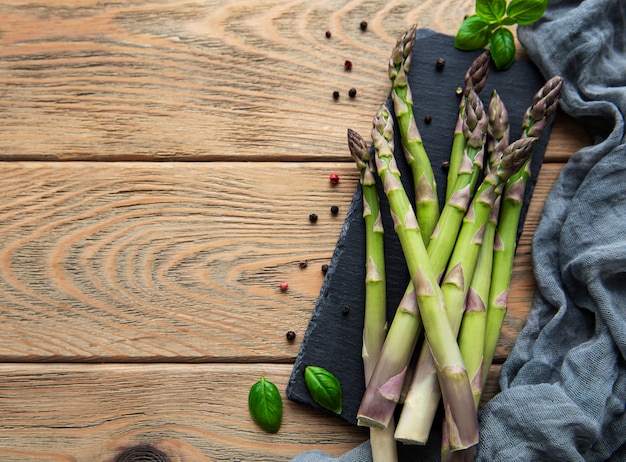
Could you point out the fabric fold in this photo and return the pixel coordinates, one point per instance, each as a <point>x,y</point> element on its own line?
<point>564,385</point>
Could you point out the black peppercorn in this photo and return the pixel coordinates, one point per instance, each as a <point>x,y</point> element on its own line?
<point>352,93</point>
<point>441,63</point>
<point>324,268</point>
<point>347,65</point>
<point>345,310</point>
<point>291,335</point>
<point>445,166</point>
<point>334,210</point>
<point>313,218</point>
<point>335,94</point>
<point>363,25</point>
<point>303,264</point>
<point>428,119</point>
<point>328,34</point>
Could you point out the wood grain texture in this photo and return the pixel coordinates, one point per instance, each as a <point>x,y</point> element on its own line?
<point>187,80</point>
<point>130,261</point>
<point>191,413</point>
<point>190,80</point>
<point>150,261</point>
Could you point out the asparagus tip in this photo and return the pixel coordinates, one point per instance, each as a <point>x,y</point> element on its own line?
<point>476,75</point>
<point>475,121</point>
<point>544,104</point>
<point>498,129</point>
<point>358,148</point>
<point>515,156</point>
<point>401,53</point>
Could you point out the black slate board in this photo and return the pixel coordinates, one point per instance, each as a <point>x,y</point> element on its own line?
<point>332,339</point>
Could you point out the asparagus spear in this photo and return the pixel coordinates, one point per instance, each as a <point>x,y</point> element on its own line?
<point>374,330</point>
<point>472,333</point>
<point>456,391</point>
<point>545,103</point>
<point>384,388</point>
<point>473,325</point>
<point>475,131</point>
<point>418,412</point>
<point>475,78</point>
<point>426,201</point>
<point>424,392</point>
<point>383,444</point>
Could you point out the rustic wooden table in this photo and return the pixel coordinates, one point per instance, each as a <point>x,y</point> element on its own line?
<point>160,160</point>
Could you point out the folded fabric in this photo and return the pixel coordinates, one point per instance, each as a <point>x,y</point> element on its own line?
<point>563,387</point>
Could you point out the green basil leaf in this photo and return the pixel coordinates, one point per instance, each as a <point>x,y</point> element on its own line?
<point>526,11</point>
<point>266,405</point>
<point>507,21</point>
<point>473,34</point>
<point>502,48</point>
<point>324,388</point>
<point>491,10</point>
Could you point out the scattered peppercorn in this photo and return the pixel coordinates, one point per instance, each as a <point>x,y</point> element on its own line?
<point>345,310</point>
<point>335,94</point>
<point>334,178</point>
<point>313,218</point>
<point>291,335</point>
<point>363,25</point>
<point>428,119</point>
<point>441,63</point>
<point>328,34</point>
<point>459,91</point>
<point>284,286</point>
<point>445,166</point>
<point>324,268</point>
<point>352,93</point>
<point>303,264</point>
<point>347,65</point>
<point>334,210</point>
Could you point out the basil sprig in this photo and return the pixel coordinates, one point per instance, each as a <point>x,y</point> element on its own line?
<point>266,405</point>
<point>324,388</point>
<point>490,26</point>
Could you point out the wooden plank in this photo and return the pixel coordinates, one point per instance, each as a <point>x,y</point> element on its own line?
<point>187,80</point>
<point>180,80</point>
<point>194,413</point>
<point>191,413</point>
<point>112,261</point>
<point>176,261</point>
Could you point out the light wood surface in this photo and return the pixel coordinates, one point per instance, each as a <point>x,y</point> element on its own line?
<point>140,300</point>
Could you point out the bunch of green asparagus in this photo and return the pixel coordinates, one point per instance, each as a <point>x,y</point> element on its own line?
<point>459,256</point>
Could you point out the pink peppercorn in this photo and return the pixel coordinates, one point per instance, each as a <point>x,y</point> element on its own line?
<point>284,286</point>
<point>334,178</point>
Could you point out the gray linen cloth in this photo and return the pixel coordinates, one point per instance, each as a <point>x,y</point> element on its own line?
<point>564,384</point>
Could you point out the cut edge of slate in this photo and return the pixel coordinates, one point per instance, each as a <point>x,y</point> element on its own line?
<point>333,339</point>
